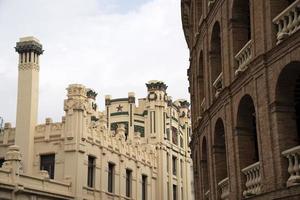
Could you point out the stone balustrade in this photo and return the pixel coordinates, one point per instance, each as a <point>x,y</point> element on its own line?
<point>223,187</point>
<point>243,57</point>
<point>288,21</point>
<point>210,3</point>
<point>253,182</point>
<point>206,195</point>
<point>293,156</point>
<point>218,84</point>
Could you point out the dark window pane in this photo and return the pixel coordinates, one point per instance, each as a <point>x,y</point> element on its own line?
<point>2,160</point>
<point>174,165</point>
<point>47,163</point>
<point>174,192</point>
<point>111,177</point>
<point>144,187</point>
<point>91,171</point>
<point>128,182</point>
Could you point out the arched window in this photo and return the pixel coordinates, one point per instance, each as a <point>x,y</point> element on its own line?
<point>247,132</point>
<point>200,81</point>
<point>241,24</point>
<point>204,167</point>
<point>220,151</point>
<point>287,115</point>
<point>288,97</point>
<point>216,59</point>
<point>248,155</point>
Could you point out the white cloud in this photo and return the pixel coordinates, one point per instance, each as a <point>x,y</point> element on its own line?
<point>86,42</point>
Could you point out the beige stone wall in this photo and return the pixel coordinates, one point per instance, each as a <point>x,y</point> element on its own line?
<point>129,136</point>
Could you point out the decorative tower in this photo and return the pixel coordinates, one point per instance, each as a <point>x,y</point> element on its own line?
<point>157,103</point>
<point>29,49</point>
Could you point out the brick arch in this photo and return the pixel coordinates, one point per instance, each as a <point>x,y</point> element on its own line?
<point>219,151</point>
<point>285,114</point>
<point>246,135</point>
<point>241,24</point>
<point>200,79</point>
<point>215,53</point>
<point>287,99</point>
<point>246,132</point>
<point>204,165</point>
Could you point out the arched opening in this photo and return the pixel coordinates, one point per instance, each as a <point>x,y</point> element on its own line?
<point>287,117</point>
<point>216,58</point>
<point>288,100</point>
<point>220,151</point>
<point>241,24</point>
<point>248,155</point>
<point>200,80</point>
<point>247,132</point>
<point>204,167</point>
<point>196,165</point>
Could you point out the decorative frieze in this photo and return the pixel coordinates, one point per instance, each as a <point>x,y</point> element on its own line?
<point>29,66</point>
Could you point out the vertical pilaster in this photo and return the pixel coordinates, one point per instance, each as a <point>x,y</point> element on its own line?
<point>29,49</point>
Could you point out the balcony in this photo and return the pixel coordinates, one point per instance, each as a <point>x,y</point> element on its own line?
<point>288,21</point>
<point>293,156</point>
<point>223,187</point>
<point>206,195</point>
<point>253,182</point>
<point>243,57</point>
<point>218,84</point>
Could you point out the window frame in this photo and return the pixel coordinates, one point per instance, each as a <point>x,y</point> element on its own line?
<point>44,164</point>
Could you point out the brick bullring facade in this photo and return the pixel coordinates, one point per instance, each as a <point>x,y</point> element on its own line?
<point>244,80</point>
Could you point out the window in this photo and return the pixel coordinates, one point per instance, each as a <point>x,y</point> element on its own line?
<point>167,162</point>
<point>174,163</point>
<point>144,187</point>
<point>91,171</point>
<point>111,173</point>
<point>174,135</point>
<point>128,182</point>
<point>181,168</point>
<point>182,193</point>
<point>168,133</point>
<point>2,160</point>
<point>181,142</point>
<point>168,191</point>
<point>47,163</point>
<point>174,192</point>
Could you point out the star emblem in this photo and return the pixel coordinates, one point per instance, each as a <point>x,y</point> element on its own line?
<point>119,108</point>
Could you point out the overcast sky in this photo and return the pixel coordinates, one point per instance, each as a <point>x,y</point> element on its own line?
<point>112,46</point>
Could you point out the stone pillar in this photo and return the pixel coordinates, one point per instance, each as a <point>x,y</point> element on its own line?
<point>29,49</point>
<point>13,161</point>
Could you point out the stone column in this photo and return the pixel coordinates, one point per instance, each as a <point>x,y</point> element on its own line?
<point>29,49</point>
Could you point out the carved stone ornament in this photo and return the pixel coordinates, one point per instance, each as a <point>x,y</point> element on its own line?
<point>29,66</point>
<point>152,96</point>
<point>75,104</point>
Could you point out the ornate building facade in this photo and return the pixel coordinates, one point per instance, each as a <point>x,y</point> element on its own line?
<point>128,151</point>
<point>244,80</point>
